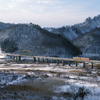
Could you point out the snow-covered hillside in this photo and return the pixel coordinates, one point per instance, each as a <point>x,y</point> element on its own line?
<point>72,32</point>
<point>89,42</point>
<point>39,41</point>
<point>60,42</point>
<point>5,25</point>
<point>86,35</point>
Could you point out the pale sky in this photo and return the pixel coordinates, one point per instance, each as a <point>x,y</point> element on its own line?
<point>48,13</point>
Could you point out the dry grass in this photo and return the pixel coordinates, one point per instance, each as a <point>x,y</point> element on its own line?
<point>44,87</point>
<point>35,66</point>
<point>23,70</point>
<point>76,71</point>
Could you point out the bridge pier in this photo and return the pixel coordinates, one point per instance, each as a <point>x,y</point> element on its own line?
<point>83,64</point>
<point>42,60</point>
<point>38,59</point>
<point>92,65</point>
<point>76,63</point>
<point>19,58</point>
<point>57,62</point>
<point>47,60</point>
<point>34,59</point>
<point>69,63</point>
<point>62,62</point>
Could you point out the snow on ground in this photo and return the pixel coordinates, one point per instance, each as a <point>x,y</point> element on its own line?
<point>41,67</point>
<point>2,55</point>
<point>77,81</point>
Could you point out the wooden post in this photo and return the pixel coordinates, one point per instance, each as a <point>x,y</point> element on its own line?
<point>62,62</point>
<point>13,57</point>
<point>47,60</point>
<point>83,64</point>
<point>69,63</point>
<point>10,57</point>
<point>51,60</point>
<point>76,63</point>
<point>57,62</point>
<point>19,58</point>
<point>34,59</point>
<point>42,60</point>
<point>38,59</point>
<point>92,65</point>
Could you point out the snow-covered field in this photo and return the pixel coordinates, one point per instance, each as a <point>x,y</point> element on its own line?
<point>27,80</point>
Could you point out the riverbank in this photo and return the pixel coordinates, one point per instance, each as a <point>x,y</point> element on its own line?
<point>36,81</point>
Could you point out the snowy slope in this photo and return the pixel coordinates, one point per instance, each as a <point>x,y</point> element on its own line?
<point>39,41</point>
<point>89,42</point>
<point>72,32</point>
<point>5,25</point>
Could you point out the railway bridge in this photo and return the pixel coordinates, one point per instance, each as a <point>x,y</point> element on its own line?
<point>27,53</point>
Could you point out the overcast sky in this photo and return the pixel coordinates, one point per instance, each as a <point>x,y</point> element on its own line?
<point>48,13</point>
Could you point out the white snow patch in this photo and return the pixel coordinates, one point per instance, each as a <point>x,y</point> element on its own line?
<point>18,80</point>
